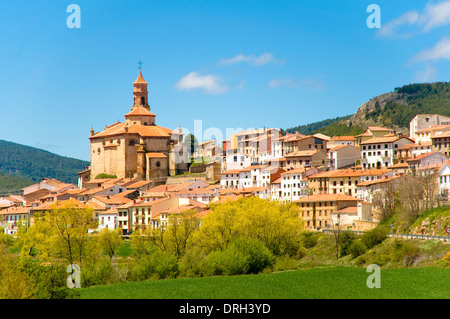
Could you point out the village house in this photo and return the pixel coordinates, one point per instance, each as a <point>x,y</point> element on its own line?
<point>408,151</point>
<point>371,132</point>
<point>366,190</point>
<point>106,189</point>
<point>237,161</point>
<point>13,217</point>
<point>425,135</point>
<point>11,201</point>
<point>294,185</point>
<point>317,210</point>
<point>202,195</point>
<point>441,143</point>
<point>109,202</point>
<point>250,176</point>
<point>423,121</point>
<point>305,159</point>
<point>252,142</point>
<point>207,150</point>
<point>275,190</point>
<point>108,219</point>
<point>344,181</point>
<point>341,140</point>
<point>444,181</point>
<point>169,190</point>
<point>382,151</point>
<point>45,187</point>
<point>296,143</point>
<point>155,214</point>
<point>427,160</point>
<point>342,156</point>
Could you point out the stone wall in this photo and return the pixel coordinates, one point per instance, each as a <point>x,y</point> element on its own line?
<point>197,169</point>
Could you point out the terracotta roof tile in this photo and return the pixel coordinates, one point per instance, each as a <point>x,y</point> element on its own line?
<point>326,198</point>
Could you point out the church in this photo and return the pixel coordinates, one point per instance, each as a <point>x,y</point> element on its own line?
<point>137,147</point>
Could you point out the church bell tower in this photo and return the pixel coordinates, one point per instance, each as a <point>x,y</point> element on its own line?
<point>140,94</point>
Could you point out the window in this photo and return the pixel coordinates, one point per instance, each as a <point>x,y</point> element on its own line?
<point>142,100</point>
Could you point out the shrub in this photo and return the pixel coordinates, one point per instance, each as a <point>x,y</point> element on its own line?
<point>285,263</point>
<point>240,257</point>
<point>158,265</point>
<point>99,272</point>
<point>374,237</point>
<point>346,240</point>
<point>356,248</point>
<point>104,175</point>
<point>309,239</point>
<point>406,252</point>
<point>192,263</point>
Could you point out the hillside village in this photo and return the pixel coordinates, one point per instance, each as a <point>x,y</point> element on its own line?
<point>134,181</point>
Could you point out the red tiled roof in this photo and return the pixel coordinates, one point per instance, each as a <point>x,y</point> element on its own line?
<point>139,111</point>
<point>327,198</point>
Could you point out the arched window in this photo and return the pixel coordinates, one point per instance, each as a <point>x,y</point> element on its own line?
<point>132,143</point>
<point>142,100</point>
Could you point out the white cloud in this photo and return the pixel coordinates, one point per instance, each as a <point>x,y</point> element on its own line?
<point>389,29</point>
<point>440,51</point>
<point>263,59</point>
<point>210,84</point>
<point>436,15</point>
<point>432,16</point>
<point>427,75</point>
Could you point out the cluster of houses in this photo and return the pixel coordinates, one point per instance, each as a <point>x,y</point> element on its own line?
<point>333,180</point>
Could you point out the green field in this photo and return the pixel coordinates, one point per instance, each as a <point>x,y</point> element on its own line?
<point>317,283</point>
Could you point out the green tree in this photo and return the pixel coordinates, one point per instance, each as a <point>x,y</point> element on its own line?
<point>175,237</point>
<point>190,142</point>
<point>110,240</point>
<point>61,232</point>
<point>276,225</point>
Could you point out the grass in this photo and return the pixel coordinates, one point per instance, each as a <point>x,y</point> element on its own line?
<point>317,283</point>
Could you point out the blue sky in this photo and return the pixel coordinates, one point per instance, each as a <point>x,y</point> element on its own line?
<point>231,64</point>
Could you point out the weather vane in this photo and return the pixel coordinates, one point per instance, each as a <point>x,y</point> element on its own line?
<point>140,64</point>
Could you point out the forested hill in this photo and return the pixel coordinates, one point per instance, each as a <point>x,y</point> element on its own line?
<point>396,109</point>
<point>33,164</point>
<point>393,109</point>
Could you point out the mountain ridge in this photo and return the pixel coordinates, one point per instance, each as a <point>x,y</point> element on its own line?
<point>393,109</point>
<point>31,164</point>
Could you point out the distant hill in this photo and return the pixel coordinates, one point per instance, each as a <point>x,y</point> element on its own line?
<point>315,127</point>
<point>394,109</point>
<point>12,184</point>
<point>21,165</point>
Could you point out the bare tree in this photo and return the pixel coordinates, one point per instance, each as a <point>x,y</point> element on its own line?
<point>386,198</point>
<point>428,183</point>
<point>410,195</point>
<point>336,229</point>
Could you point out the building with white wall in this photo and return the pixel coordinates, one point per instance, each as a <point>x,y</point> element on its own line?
<point>381,151</point>
<point>444,181</point>
<point>294,185</point>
